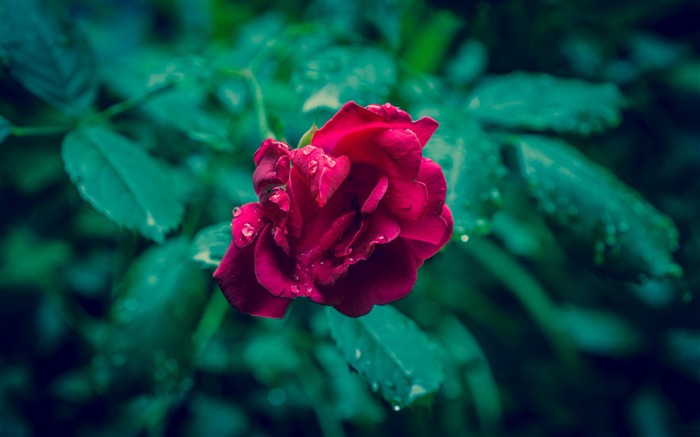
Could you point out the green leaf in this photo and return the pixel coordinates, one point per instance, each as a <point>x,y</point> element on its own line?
<point>599,219</point>
<point>393,355</point>
<point>5,129</point>
<point>158,307</point>
<point>210,243</point>
<point>473,170</point>
<point>305,139</point>
<point>47,56</point>
<point>339,74</point>
<point>541,102</point>
<point>469,63</point>
<point>121,181</point>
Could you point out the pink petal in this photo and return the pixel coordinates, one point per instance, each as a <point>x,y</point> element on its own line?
<point>278,273</point>
<point>423,128</point>
<point>246,224</point>
<point>375,196</point>
<point>236,278</point>
<point>324,173</point>
<point>432,227</point>
<point>304,207</point>
<point>426,249</point>
<point>407,199</point>
<point>272,165</point>
<point>388,275</point>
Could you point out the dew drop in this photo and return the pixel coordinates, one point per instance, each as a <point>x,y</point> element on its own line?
<point>247,230</point>
<point>295,277</point>
<point>331,162</point>
<point>397,407</point>
<point>374,386</point>
<point>358,354</point>
<point>295,289</point>
<point>236,211</point>
<point>313,166</point>
<point>381,238</point>
<point>464,238</point>
<point>275,198</point>
<point>307,150</point>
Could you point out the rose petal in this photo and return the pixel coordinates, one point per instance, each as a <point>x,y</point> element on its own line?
<point>388,275</point>
<point>236,278</point>
<point>375,196</point>
<point>272,165</point>
<point>246,224</point>
<point>423,128</point>
<point>278,273</point>
<point>432,227</point>
<point>424,250</point>
<point>324,173</point>
<point>407,199</point>
<point>304,207</point>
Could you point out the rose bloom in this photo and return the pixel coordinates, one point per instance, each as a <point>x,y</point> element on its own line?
<point>346,221</point>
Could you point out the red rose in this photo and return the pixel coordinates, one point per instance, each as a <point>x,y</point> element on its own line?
<point>345,221</point>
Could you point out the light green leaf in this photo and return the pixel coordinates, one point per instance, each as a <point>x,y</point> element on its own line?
<point>5,129</point>
<point>121,181</point>
<point>392,354</point>
<point>339,74</point>
<point>473,170</point>
<point>541,102</point>
<point>47,55</point>
<point>599,219</point>
<point>469,63</point>
<point>159,303</point>
<point>210,243</point>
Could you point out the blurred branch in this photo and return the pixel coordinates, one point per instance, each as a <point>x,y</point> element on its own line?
<point>529,292</point>
<point>256,90</point>
<point>212,317</point>
<point>128,104</point>
<point>36,131</point>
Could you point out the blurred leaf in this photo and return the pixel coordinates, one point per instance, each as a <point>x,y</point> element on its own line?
<point>466,351</point>
<point>210,243</point>
<point>473,169</point>
<point>599,219</point>
<point>431,41</point>
<point>683,346</point>
<point>468,64</point>
<point>685,77</point>
<point>33,169</point>
<point>237,184</point>
<point>385,15</point>
<point>542,102</point>
<point>47,55</point>
<point>271,357</point>
<point>599,332</point>
<point>30,260</point>
<point>391,353</point>
<point>121,181</point>
<point>351,397</point>
<point>215,417</point>
<point>336,75</point>
<point>651,52</point>
<point>159,305</point>
<point>5,129</point>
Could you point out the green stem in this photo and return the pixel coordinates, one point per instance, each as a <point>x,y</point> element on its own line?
<point>128,104</point>
<point>529,292</point>
<point>36,131</point>
<point>212,317</point>
<point>256,90</point>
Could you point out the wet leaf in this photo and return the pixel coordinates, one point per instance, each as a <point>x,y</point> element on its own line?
<point>473,170</point>
<point>391,353</point>
<point>542,102</point>
<point>339,74</point>
<point>600,220</point>
<point>121,181</point>
<point>47,55</point>
<point>210,243</point>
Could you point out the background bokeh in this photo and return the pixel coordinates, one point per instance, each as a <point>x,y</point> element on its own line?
<point>112,330</point>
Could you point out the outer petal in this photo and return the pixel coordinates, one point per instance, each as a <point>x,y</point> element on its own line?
<point>272,165</point>
<point>432,227</point>
<point>236,278</point>
<point>424,250</point>
<point>353,118</point>
<point>246,224</point>
<point>388,275</point>
<point>407,199</point>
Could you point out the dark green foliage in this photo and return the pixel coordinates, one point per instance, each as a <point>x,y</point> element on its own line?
<point>48,55</point>
<point>599,219</point>
<point>563,306</point>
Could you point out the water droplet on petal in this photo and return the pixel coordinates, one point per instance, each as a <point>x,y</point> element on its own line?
<point>295,289</point>
<point>236,211</point>
<point>275,198</point>
<point>381,238</point>
<point>313,166</point>
<point>331,162</point>
<point>295,277</point>
<point>307,150</point>
<point>247,230</point>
